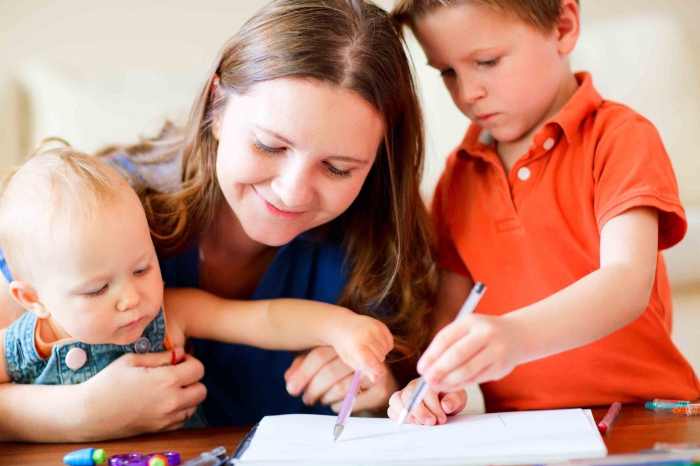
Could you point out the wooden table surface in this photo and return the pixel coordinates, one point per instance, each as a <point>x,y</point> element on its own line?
<point>636,428</point>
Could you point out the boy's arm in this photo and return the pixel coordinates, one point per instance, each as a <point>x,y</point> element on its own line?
<point>480,348</point>
<point>280,324</point>
<point>454,290</point>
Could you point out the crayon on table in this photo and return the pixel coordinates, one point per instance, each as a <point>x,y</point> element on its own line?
<point>607,422</point>
<point>688,410</point>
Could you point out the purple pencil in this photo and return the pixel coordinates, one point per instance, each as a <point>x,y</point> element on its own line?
<point>348,402</point>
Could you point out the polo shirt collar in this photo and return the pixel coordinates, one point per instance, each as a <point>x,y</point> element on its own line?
<point>585,101</point>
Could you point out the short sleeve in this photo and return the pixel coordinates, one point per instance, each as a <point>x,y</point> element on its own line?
<point>4,268</point>
<point>448,257</point>
<point>632,169</point>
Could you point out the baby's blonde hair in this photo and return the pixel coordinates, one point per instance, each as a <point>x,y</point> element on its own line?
<point>59,184</point>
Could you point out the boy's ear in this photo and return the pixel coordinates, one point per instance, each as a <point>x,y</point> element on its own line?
<point>26,296</point>
<point>569,26</point>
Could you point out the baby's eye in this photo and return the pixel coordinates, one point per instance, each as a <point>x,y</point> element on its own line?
<point>143,271</point>
<point>93,294</point>
<point>488,63</point>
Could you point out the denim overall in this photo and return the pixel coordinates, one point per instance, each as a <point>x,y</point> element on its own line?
<point>24,365</point>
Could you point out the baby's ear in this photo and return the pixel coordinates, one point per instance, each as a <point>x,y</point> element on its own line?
<point>26,296</point>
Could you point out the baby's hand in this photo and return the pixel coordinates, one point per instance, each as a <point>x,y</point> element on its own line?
<point>363,340</point>
<point>472,350</point>
<point>434,408</point>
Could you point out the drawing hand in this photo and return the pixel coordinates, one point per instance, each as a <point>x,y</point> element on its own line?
<point>363,340</point>
<point>433,410</point>
<point>471,350</point>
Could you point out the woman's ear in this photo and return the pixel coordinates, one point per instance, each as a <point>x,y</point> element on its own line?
<point>214,96</point>
<point>569,26</point>
<point>26,296</point>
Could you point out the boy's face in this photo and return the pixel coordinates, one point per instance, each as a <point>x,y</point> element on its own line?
<point>502,73</point>
<point>99,278</point>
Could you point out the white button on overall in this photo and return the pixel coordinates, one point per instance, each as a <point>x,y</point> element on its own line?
<point>76,358</point>
<point>548,144</point>
<point>524,173</point>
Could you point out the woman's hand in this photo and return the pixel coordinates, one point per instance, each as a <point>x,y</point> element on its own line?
<point>321,376</point>
<point>362,340</point>
<point>142,393</point>
<point>434,408</point>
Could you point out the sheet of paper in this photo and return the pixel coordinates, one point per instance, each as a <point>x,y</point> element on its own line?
<point>518,437</point>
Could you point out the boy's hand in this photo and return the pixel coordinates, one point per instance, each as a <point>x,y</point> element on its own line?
<point>471,350</point>
<point>362,340</point>
<point>433,410</point>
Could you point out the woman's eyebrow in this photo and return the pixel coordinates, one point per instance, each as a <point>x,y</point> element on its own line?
<point>275,135</point>
<point>342,158</point>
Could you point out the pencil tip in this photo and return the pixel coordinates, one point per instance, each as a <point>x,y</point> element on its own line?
<point>337,431</point>
<point>403,416</point>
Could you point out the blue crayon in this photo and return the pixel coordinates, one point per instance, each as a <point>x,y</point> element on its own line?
<point>85,457</point>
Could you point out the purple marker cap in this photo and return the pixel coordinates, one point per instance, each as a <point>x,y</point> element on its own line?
<point>125,459</point>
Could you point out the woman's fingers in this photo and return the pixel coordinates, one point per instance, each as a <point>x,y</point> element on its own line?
<point>300,376</point>
<point>328,375</point>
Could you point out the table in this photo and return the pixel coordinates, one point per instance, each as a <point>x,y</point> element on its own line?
<point>636,428</point>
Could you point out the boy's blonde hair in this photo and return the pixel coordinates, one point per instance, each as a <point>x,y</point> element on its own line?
<point>540,14</point>
<point>60,184</point>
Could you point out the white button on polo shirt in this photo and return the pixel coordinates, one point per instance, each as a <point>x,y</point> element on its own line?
<point>524,173</point>
<point>548,144</point>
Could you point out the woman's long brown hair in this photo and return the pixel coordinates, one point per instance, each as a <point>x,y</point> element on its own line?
<point>354,45</point>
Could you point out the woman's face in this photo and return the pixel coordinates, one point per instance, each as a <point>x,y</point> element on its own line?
<point>293,154</point>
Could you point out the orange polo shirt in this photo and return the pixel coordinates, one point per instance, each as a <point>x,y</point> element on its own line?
<point>530,233</point>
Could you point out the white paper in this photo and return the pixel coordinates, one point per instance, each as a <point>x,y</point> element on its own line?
<point>517,437</point>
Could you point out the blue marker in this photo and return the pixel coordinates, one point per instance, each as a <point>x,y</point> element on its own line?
<point>669,405</point>
<point>85,457</point>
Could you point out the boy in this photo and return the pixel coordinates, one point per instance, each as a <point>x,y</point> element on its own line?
<point>560,202</point>
<point>83,264</point>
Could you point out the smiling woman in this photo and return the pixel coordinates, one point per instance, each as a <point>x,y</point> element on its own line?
<point>297,175</point>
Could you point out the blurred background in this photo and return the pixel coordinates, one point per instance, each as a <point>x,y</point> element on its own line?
<point>96,72</point>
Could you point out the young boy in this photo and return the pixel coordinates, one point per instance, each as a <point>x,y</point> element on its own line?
<point>78,245</point>
<point>560,202</point>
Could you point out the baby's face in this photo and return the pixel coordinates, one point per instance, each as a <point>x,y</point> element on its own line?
<point>99,277</point>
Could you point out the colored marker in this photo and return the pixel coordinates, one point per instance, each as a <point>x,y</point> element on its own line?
<point>689,410</point>
<point>609,418</point>
<point>85,457</point>
<point>215,457</point>
<point>668,405</point>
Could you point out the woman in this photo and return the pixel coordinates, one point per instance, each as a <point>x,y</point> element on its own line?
<point>297,175</point>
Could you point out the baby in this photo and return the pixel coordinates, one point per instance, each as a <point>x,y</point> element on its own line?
<point>79,249</point>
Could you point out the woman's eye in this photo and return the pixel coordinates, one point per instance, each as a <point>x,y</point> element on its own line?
<point>93,294</point>
<point>337,172</point>
<point>267,149</point>
<point>140,272</point>
<point>488,63</point>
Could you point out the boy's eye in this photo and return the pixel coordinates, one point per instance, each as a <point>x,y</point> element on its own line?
<point>267,149</point>
<point>93,294</point>
<point>448,72</point>
<point>143,271</point>
<point>488,63</point>
<point>337,172</point>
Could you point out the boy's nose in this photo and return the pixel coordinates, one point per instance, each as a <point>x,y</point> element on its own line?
<point>470,92</point>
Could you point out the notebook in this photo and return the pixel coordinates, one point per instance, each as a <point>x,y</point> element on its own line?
<point>497,438</point>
